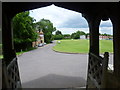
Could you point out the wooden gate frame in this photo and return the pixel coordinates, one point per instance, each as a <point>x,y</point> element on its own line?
<point>97,70</point>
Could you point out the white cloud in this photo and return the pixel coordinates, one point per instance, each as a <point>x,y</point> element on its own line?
<point>108,30</point>
<point>67,21</point>
<point>107,23</point>
<point>72,30</point>
<point>55,14</point>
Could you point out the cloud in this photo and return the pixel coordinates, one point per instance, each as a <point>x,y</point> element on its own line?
<point>64,18</point>
<point>75,22</point>
<point>102,30</point>
<point>59,16</point>
<point>72,30</point>
<point>106,23</point>
<point>108,30</point>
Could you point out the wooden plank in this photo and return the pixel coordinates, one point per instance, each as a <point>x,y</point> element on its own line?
<point>99,58</point>
<point>94,81</point>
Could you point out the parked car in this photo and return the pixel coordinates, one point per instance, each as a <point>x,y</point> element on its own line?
<point>51,41</point>
<point>44,43</point>
<point>40,45</point>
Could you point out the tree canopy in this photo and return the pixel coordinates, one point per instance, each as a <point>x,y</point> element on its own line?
<point>58,32</point>
<point>23,29</point>
<point>77,34</point>
<point>47,27</point>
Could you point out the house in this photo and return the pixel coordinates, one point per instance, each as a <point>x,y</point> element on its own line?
<point>101,37</point>
<point>40,39</point>
<point>82,37</point>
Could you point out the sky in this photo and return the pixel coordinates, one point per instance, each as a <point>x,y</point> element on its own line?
<point>67,21</point>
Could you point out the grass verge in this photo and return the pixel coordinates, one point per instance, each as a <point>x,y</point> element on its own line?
<point>19,53</point>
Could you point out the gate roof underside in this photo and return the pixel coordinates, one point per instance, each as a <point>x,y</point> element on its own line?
<point>92,8</point>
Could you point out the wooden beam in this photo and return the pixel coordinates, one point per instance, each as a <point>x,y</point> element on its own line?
<point>7,39</point>
<point>116,43</point>
<point>93,22</point>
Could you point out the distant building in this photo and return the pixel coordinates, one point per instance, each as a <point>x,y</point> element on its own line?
<point>101,37</point>
<point>41,37</point>
<point>82,37</point>
<point>40,40</point>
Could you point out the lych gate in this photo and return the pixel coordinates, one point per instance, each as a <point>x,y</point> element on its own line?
<point>98,75</point>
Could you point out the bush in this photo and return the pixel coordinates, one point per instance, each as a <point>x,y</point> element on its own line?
<point>58,37</point>
<point>67,36</point>
<point>22,46</point>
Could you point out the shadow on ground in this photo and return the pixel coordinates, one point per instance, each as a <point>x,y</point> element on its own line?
<point>58,81</point>
<point>0,74</point>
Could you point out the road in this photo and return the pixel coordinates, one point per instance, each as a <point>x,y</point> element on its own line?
<point>45,68</point>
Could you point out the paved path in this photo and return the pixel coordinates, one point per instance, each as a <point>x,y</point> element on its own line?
<point>44,68</point>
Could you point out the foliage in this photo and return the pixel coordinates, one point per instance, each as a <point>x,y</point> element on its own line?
<point>21,52</point>
<point>58,32</point>
<point>24,30</point>
<point>47,27</point>
<point>105,34</point>
<point>67,36</point>
<point>58,37</point>
<point>77,34</point>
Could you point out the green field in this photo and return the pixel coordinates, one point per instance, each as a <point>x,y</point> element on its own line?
<point>82,46</point>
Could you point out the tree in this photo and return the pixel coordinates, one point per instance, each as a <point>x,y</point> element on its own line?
<point>47,27</point>
<point>58,32</point>
<point>24,31</point>
<point>80,32</point>
<point>77,34</point>
<point>73,35</point>
<point>58,37</point>
<point>67,36</point>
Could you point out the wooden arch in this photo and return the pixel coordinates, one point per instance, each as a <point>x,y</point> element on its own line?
<point>94,13</point>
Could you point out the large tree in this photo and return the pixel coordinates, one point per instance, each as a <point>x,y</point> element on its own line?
<point>58,32</point>
<point>77,34</point>
<point>47,27</point>
<point>24,30</point>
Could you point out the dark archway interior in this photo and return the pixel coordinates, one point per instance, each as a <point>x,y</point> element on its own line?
<point>93,12</point>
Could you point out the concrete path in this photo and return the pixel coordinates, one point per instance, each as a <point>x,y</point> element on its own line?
<point>44,68</point>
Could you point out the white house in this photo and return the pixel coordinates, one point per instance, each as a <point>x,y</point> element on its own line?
<point>82,37</point>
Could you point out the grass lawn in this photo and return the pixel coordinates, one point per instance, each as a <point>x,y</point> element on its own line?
<point>81,46</point>
<point>19,53</point>
<point>106,46</point>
